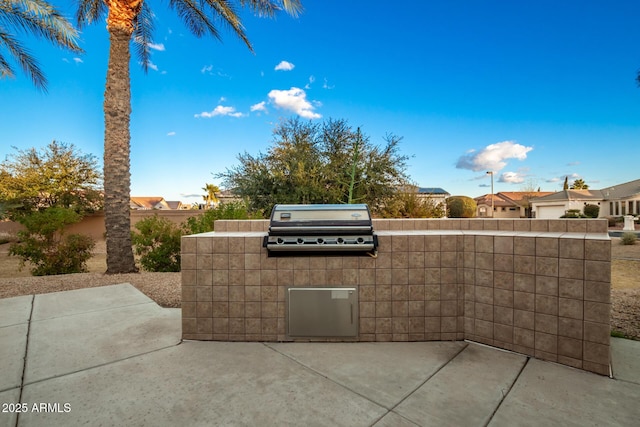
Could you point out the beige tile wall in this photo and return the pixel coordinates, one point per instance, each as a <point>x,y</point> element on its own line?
<point>538,287</point>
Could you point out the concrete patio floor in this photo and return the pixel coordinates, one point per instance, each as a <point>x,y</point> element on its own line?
<point>111,356</point>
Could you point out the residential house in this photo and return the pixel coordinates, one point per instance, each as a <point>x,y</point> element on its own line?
<point>148,203</point>
<point>438,195</point>
<point>507,204</point>
<point>618,200</point>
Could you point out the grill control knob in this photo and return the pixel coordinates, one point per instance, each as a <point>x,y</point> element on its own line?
<point>300,241</point>
<point>340,240</point>
<point>320,241</point>
<point>279,241</point>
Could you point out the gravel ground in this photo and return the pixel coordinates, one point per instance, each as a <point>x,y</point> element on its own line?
<point>164,288</point>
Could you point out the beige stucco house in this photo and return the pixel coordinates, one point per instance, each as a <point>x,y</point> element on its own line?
<point>618,200</point>
<point>507,204</point>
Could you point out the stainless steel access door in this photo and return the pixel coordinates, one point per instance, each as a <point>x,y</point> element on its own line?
<point>322,312</point>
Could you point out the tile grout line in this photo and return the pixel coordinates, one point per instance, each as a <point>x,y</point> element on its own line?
<point>504,395</point>
<point>24,360</point>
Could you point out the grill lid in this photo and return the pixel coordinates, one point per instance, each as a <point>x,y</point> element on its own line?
<point>321,228</point>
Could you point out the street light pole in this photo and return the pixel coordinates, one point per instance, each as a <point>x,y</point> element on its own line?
<point>491,173</point>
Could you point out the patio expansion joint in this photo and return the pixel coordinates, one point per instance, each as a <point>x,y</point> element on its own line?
<point>95,311</point>
<point>100,365</point>
<point>390,410</point>
<point>24,357</point>
<point>504,395</point>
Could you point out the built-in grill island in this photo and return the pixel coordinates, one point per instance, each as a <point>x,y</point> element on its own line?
<point>320,229</point>
<point>537,287</point>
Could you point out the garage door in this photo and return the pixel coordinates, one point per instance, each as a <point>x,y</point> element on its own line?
<point>550,211</point>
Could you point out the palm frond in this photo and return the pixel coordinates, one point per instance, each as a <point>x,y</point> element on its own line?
<point>143,35</point>
<point>24,59</point>
<point>269,8</point>
<point>229,16</point>
<point>39,18</point>
<point>90,11</point>
<point>194,17</point>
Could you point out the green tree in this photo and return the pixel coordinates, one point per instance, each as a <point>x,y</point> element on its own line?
<point>157,242</point>
<point>57,175</point>
<point>132,20</point>
<point>32,17</point>
<point>579,184</point>
<point>210,198</point>
<point>319,163</point>
<point>46,248</point>
<point>461,207</point>
<point>410,204</point>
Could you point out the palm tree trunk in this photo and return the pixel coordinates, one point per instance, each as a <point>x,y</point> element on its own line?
<point>117,176</point>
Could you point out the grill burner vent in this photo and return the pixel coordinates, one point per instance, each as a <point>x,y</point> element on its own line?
<point>320,228</point>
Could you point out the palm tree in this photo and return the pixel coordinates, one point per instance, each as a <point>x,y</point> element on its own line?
<point>210,198</point>
<point>132,20</point>
<point>35,17</point>
<point>579,184</point>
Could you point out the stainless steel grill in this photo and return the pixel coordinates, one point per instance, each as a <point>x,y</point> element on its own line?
<point>321,228</point>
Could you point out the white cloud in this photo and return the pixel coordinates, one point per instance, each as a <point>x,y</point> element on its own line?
<point>326,85</point>
<point>295,100</point>
<point>206,69</point>
<point>260,106</point>
<point>493,157</point>
<point>153,66</point>
<point>284,66</point>
<point>154,46</point>
<point>311,80</point>
<point>220,110</point>
<point>171,133</point>
<point>512,177</point>
<point>78,60</point>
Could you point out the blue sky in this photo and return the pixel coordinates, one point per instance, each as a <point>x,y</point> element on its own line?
<point>534,91</point>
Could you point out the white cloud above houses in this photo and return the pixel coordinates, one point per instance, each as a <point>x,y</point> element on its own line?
<point>493,157</point>
<point>220,110</point>
<point>512,177</point>
<point>294,100</point>
<point>284,66</point>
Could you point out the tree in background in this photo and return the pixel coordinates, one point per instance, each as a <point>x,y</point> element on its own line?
<point>210,199</point>
<point>461,207</point>
<point>579,184</point>
<point>319,163</point>
<point>58,175</point>
<point>565,186</point>
<point>32,17</point>
<point>132,21</point>
<point>530,188</point>
<point>45,191</point>
<point>408,203</point>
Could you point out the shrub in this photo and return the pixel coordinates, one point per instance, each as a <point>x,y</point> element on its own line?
<point>157,242</point>
<point>44,245</point>
<point>228,210</point>
<point>573,213</point>
<point>628,238</point>
<point>591,211</point>
<point>461,207</point>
